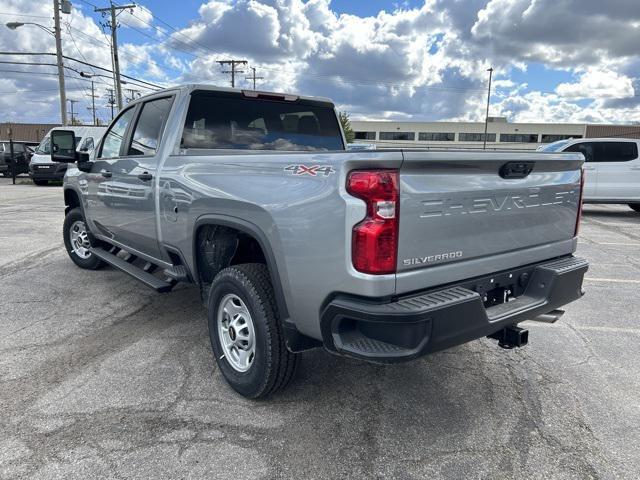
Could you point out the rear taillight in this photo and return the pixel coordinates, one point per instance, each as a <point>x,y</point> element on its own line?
<point>577,229</point>
<point>374,247</point>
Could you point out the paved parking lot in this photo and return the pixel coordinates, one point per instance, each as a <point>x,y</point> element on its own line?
<point>102,378</point>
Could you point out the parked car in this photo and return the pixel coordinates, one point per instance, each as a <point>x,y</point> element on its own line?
<point>296,242</point>
<point>612,168</point>
<point>361,146</point>
<point>42,169</point>
<point>21,155</point>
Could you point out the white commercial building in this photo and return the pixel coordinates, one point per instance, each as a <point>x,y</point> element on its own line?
<point>500,133</point>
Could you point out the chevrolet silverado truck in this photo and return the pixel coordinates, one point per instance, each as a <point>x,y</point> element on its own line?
<point>295,242</point>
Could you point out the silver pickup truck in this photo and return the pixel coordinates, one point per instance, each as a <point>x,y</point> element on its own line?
<point>296,242</point>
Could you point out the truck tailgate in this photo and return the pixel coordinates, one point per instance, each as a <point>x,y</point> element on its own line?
<point>458,207</point>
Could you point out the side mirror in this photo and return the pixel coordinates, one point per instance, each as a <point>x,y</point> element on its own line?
<point>63,146</point>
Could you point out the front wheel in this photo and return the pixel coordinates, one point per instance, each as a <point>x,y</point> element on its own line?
<point>41,183</point>
<point>635,206</point>
<point>245,332</point>
<point>77,241</point>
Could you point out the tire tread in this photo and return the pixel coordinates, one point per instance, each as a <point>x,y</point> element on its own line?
<point>281,363</point>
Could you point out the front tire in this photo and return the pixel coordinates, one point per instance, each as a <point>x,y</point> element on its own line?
<point>77,241</point>
<point>41,183</point>
<point>245,332</point>
<point>635,206</point>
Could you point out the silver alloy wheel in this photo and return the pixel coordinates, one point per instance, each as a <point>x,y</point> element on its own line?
<point>236,332</point>
<point>80,239</point>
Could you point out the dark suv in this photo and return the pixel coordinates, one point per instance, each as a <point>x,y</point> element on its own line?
<point>22,154</point>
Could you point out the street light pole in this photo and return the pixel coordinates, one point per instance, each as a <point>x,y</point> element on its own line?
<point>56,30</point>
<point>486,117</point>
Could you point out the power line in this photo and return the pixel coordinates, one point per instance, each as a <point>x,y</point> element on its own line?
<point>18,14</point>
<point>83,63</point>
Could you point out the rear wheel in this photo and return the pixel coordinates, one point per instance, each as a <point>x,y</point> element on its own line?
<point>41,183</point>
<point>78,242</point>
<point>245,331</point>
<point>635,206</point>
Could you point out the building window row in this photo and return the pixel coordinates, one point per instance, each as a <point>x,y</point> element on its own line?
<point>436,137</point>
<point>397,136</point>
<point>476,137</point>
<point>464,137</point>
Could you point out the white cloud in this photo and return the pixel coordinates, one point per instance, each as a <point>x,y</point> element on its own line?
<point>137,17</point>
<point>598,84</point>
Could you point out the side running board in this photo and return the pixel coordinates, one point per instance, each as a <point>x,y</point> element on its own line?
<point>140,274</point>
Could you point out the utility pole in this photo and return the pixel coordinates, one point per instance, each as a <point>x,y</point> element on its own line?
<point>111,101</point>
<point>72,113</point>
<point>115,10</point>
<point>233,70</point>
<point>12,154</point>
<point>486,117</point>
<point>93,103</point>
<point>66,6</point>
<point>253,77</point>
<point>132,92</point>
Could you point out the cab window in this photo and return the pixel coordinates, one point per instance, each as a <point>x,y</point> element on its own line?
<point>146,135</point>
<point>114,137</point>
<point>87,145</point>
<point>618,151</point>
<point>586,148</point>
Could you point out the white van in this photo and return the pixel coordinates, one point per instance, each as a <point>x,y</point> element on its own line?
<point>612,168</point>
<point>42,169</point>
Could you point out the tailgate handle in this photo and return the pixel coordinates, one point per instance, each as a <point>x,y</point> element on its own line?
<point>516,169</point>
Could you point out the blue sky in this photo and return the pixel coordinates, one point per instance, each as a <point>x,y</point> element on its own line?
<point>413,60</point>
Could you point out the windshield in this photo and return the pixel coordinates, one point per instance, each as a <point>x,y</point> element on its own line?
<point>45,145</point>
<point>555,146</point>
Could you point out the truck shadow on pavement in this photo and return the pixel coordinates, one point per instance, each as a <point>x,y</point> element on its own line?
<point>130,388</point>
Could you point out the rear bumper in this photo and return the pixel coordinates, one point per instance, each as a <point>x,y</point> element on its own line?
<point>46,171</point>
<point>425,322</point>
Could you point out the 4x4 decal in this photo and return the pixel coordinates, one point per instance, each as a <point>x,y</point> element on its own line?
<point>313,170</point>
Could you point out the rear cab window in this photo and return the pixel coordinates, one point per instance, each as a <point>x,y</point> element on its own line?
<point>606,151</point>
<point>229,120</point>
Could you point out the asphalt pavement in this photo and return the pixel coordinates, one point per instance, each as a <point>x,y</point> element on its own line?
<point>102,378</point>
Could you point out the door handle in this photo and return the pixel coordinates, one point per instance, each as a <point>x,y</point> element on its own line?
<point>146,176</point>
<point>637,167</point>
<point>589,168</point>
<point>106,174</point>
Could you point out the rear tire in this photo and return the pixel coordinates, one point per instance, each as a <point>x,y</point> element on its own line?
<point>244,324</point>
<point>41,183</point>
<point>77,241</point>
<point>635,206</point>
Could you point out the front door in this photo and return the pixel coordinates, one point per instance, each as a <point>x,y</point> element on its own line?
<point>588,149</point>
<point>135,177</point>
<point>102,192</point>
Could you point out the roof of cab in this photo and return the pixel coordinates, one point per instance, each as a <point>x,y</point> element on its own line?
<point>190,87</point>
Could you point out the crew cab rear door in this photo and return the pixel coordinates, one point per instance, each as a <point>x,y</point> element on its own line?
<point>470,208</point>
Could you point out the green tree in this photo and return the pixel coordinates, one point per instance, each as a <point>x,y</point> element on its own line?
<point>346,126</point>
